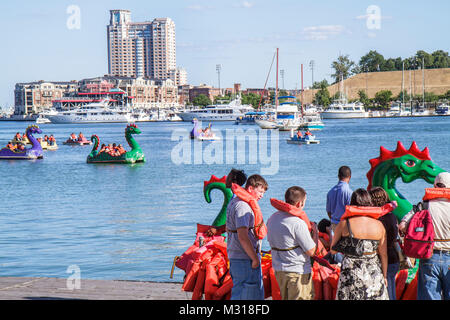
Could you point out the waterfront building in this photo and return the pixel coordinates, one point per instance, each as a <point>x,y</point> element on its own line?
<point>34,97</point>
<point>142,49</point>
<point>204,89</point>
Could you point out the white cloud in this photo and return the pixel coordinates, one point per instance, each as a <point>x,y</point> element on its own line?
<point>322,32</point>
<point>244,4</point>
<point>198,7</point>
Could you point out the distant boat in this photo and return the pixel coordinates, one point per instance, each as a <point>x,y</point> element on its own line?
<point>217,112</point>
<point>94,112</point>
<point>341,109</point>
<point>442,109</point>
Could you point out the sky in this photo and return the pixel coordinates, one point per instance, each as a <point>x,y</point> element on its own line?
<point>63,40</point>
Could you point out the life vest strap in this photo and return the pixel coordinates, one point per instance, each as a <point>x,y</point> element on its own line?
<point>287,249</point>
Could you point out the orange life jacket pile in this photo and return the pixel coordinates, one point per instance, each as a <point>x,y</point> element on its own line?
<point>403,290</point>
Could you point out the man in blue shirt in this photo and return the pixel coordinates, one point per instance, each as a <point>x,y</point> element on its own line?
<point>337,198</point>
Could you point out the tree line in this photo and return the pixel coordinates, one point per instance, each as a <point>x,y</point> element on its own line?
<point>374,61</point>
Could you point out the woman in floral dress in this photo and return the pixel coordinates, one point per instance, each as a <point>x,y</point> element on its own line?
<point>363,243</point>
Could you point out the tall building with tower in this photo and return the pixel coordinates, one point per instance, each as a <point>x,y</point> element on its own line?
<point>141,49</point>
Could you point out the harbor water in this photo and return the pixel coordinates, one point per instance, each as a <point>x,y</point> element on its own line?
<point>128,222</point>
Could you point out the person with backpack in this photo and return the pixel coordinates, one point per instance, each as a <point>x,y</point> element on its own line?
<point>434,271</point>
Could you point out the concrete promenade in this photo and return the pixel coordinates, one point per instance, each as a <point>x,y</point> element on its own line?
<point>12,288</point>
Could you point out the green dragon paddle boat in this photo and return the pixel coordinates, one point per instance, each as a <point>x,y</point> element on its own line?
<point>132,156</point>
<point>408,165</point>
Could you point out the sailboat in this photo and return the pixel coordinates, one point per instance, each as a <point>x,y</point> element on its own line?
<point>287,115</point>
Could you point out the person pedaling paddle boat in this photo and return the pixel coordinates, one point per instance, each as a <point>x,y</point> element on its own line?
<point>73,137</point>
<point>81,137</point>
<point>51,140</point>
<point>299,134</point>
<point>11,146</point>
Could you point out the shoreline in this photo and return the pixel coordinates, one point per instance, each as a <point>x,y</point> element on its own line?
<point>45,288</point>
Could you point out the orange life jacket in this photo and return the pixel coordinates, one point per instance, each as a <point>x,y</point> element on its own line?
<point>325,236</point>
<point>436,193</point>
<point>260,228</point>
<point>372,212</point>
<point>288,208</point>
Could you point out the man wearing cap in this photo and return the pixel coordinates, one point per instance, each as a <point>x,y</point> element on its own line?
<point>434,273</point>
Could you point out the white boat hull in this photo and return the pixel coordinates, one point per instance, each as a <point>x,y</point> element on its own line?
<point>344,115</point>
<point>62,119</point>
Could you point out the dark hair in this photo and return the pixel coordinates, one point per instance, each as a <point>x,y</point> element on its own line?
<point>256,181</point>
<point>294,195</point>
<point>344,172</point>
<point>379,196</point>
<point>235,176</point>
<point>361,197</point>
<point>323,224</point>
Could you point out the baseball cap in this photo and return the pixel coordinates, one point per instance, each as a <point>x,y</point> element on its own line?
<point>444,178</point>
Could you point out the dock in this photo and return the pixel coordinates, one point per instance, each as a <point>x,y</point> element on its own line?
<point>23,288</point>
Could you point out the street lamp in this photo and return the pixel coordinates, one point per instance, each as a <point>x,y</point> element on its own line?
<point>218,68</point>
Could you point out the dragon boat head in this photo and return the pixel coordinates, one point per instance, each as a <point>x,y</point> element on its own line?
<point>218,183</point>
<point>33,129</point>
<point>133,129</point>
<point>408,165</point>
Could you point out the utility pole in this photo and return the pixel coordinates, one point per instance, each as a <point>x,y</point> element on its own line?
<point>218,68</point>
<point>311,65</point>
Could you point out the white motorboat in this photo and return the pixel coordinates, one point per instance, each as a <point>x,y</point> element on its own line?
<point>92,113</point>
<point>217,112</point>
<point>287,117</point>
<point>341,109</point>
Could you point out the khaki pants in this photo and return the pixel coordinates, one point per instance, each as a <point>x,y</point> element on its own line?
<point>295,286</point>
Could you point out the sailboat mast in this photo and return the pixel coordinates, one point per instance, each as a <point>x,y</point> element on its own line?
<point>302,89</point>
<point>276,87</point>
<point>423,81</point>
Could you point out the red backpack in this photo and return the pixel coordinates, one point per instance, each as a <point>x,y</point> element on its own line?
<point>419,239</point>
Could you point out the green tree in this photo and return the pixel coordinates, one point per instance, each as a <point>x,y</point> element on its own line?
<point>252,99</point>
<point>426,57</point>
<point>322,97</point>
<point>371,62</point>
<point>441,59</point>
<point>383,97</point>
<point>201,100</point>
<point>342,67</point>
<point>400,96</point>
<point>318,84</point>
<point>364,99</point>
<point>388,65</point>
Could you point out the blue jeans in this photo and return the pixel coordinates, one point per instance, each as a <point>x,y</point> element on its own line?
<point>247,282</point>
<point>391,272</point>
<point>434,277</point>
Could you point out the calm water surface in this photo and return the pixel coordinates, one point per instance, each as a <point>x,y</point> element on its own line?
<point>128,222</point>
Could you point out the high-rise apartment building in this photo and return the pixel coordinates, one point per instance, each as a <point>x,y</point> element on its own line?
<point>140,49</point>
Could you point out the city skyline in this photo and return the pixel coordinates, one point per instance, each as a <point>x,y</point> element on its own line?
<point>46,41</point>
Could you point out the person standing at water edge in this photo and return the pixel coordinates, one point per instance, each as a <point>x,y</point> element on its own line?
<point>337,198</point>
<point>244,243</point>
<point>389,221</point>
<point>234,176</point>
<point>292,245</point>
<point>362,240</point>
